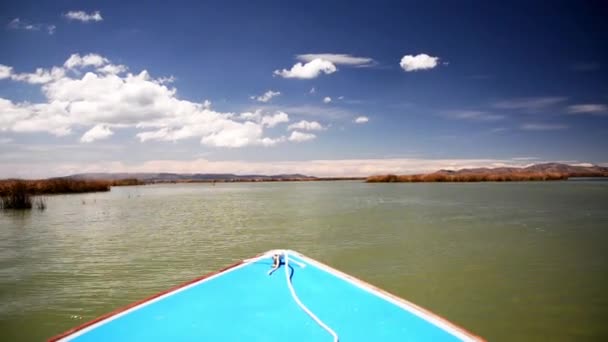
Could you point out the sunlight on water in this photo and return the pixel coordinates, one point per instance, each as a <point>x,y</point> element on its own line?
<point>522,261</point>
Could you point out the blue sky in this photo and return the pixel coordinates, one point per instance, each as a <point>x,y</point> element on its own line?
<point>325,88</point>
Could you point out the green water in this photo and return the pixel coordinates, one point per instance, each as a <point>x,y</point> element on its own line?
<point>509,262</point>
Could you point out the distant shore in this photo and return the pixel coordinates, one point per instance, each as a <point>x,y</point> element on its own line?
<point>71,185</point>
<point>538,172</point>
<point>255,180</point>
<point>435,177</point>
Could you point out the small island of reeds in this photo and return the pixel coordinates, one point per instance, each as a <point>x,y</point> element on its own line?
<point>26,194</point>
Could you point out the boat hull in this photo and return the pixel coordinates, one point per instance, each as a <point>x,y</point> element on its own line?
<point>245,302</point>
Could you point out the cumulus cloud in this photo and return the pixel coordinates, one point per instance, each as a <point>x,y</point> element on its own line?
<point>325,112</point>
<point>594,109</point>
<point>418,62</point>
<point>326,99</point>
<point>267,96</point>
<point>306,126</point>
<point>115,69</point>
<point>361,119</point>
<point>301,137</point>
<point>337,58</point>
<point>98,132</point>
<point>5,71</point>
<point>252,116</point>
<point>91,59</point>
<point>273,120</point>
<point>309,70</point>
<point>84,16</point>
<point>102,99</point>
<point>40,76</point>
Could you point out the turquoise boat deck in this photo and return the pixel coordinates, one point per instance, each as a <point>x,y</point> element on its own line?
<point>245,302</point>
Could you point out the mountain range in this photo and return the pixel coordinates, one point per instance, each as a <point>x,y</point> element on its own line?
<point>557,168</point>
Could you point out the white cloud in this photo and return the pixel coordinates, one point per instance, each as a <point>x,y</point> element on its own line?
<point>309,70</point>
<point>98,132</point>
<point>594,109</point>
<point>5,71</point>
<point>472,115</point>
<point>258,116</point>
<point>18,24</point>
<point>525,158</point>
<point>40,76</point>
<point>337,58</point>
<point>306,126</point>
<point>312,90</point>
<point>361,119</point>
<point>326,99</point>
<point>113,69</point>
<point>530,104</point>
<point>273,120</point>
<point>321,168</point>
<point>169,80</point>
<point>419,62</point>
<point>252,116</point>
<point>104,98</point>
<point>542,127</point>
<point>325,112</point>
<point>91,59</point>
<point>233,134</point>
<point>301,137</point>
<point>84,16</point>
<point>26,117</point>
<point>267,96</point>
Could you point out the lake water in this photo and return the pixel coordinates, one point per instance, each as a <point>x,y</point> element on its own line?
<point>507,261</point>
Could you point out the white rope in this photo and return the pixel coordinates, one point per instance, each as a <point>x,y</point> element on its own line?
<point>300,304</point>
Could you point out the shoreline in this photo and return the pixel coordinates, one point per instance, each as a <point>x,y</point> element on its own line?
<point>61,186</point>
<point>466,178</point>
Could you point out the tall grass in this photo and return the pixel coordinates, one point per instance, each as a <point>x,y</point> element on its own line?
<point>20,194</point>
<point>126,182</point>
<point>17,196</point>
<point>53,186</point>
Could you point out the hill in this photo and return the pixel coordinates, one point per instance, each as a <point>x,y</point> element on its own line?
<point>195,177</point>
<point>537,172</point>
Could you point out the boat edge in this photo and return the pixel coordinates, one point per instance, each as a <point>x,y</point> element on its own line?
<point>354,280</point>
<point>115,312</point>
<point>383,293</point>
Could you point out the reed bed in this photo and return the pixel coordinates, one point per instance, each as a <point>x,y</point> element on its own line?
<point>15,196</point>
<point>25,194</point>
